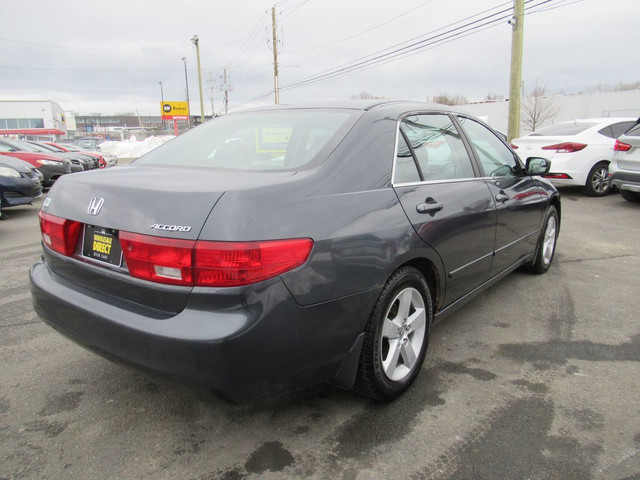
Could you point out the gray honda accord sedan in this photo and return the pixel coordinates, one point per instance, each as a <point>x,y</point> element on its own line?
<point>273,249</point>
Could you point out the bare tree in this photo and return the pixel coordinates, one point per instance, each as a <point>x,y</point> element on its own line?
<point>538,107</point>
<point>366,96</point>
<point>446,99</point>
<point>619,87</point>
<point>493,97</point>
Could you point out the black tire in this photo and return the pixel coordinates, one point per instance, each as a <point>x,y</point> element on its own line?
<point>546,247</point>
<point>598,184</point>
<point>630,196</point>
<point>379,377</point>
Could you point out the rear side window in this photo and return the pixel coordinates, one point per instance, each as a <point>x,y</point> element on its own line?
<point>406,170</point>
<point>263,140</point>
<point>436,146</point>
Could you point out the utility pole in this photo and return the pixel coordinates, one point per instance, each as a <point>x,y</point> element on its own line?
<point>161,104</point>
<point>515,83</point>
<point>196,42</point>
<point>210,87</point>
<point>226,87</point>
<point>275,56</point>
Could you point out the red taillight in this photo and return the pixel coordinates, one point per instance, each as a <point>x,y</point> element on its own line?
<point>561,176</point>
<point>621,146</point>
<point>566,147</point>
<point>59,234</point>
<point>514,146</point>
<point>163,260</point>
<point>211,264</point>
<point>229,264</point>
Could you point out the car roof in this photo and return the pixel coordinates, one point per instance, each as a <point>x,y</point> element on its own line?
<point>395,106</point>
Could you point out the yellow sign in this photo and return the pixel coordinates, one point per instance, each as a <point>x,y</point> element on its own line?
<point>174,110</point>
<point>102,244</point>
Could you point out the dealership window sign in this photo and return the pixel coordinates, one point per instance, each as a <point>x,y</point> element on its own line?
<point>174,111</point>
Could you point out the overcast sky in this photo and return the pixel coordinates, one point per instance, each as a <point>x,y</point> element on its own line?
<point>109,57</point>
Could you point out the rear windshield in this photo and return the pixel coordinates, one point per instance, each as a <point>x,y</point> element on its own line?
<point>562,129</point>
<point>264,140</point>
<point>634,132</point>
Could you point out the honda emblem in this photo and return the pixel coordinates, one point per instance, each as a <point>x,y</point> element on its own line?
<point>95,205</point>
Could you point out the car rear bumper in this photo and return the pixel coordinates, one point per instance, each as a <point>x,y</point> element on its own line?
<point>244,345</point>
<point>626,180</point>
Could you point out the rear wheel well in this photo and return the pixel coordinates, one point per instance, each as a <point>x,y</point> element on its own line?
<point>431,275</point>
<point>555,201</point>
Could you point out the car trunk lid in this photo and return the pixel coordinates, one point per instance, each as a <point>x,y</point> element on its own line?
<point>532,146</point>
<point>154,201</point>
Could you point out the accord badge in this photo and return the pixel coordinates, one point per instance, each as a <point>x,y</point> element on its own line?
<point>171,228</point>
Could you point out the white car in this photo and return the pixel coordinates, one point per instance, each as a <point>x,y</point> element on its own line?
<point>580,151</point>
<point>624,171</point>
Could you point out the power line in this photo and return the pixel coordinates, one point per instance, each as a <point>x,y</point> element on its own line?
<point>128,49</point>
<point>401,48</point>
<point>255,34</point>
<point>405,48</point>
<point>292,9</point>
<point>422,36</point>
<point>364,31</point>
<point>562,3</point>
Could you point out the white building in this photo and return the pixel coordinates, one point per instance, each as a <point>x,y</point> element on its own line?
<point>31,114</point>
<point>570,107</point>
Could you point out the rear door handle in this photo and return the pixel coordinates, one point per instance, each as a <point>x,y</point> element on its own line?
<point>429,206</point>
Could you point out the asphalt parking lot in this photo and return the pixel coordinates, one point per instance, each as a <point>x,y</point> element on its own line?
<point>538,378</point>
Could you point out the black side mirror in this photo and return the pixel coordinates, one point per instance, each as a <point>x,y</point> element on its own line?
<point>538,166</point>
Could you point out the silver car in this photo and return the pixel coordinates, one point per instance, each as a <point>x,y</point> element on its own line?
<point>624,170</point>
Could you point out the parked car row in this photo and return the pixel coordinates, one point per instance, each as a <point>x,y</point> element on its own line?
<point>581,151</point>
<point>23,164</point>
<point>89,145</point>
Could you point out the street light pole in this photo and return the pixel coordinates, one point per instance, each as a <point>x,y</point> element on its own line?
<point>196,42</point>
<point>186,82</point>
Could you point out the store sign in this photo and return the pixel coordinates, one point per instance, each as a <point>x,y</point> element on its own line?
<point>174,110</point>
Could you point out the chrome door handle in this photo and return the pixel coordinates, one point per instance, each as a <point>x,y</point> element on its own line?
<point>429,206</point>
<point>502,197</point>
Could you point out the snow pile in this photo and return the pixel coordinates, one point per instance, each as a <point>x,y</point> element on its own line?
<point>132,148</point>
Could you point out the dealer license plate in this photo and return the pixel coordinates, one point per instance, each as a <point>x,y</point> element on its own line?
<point>102,244</point>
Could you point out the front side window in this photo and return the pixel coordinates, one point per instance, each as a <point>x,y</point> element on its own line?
<point>264,140</point>
<point>437,147</point>
<point>496,159</point>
